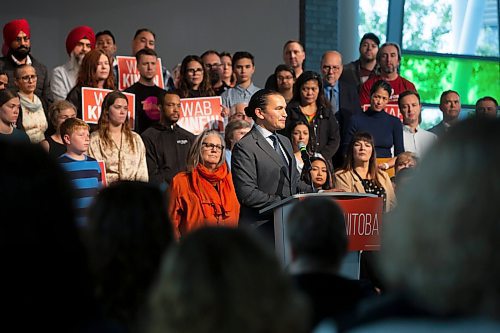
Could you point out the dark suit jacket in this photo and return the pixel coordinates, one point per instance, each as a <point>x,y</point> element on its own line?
<point>349,105</point>
<point>260,175</point>
<point>350,74</point>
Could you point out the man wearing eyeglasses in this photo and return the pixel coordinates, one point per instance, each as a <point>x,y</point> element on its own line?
<point>343,96</point>
<point>147,93</point>
<point>211,61</point>
<point>17,48</point>
<point>79,42</point>
<point>167,144</point>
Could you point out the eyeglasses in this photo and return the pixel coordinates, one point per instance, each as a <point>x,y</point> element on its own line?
<point>212,146</point>
<point>27,78</point>
<point>194,70</point>
<point>330,68</point>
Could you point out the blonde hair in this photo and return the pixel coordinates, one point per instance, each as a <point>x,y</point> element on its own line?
<point>56,108</point>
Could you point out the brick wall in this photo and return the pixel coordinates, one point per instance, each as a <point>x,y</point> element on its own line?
<point>319,29</point>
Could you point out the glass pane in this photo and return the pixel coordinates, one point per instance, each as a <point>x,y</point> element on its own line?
<point>431,115</point>
<point>447,26</point>
<point>373,17</point>
<point>471,78</point>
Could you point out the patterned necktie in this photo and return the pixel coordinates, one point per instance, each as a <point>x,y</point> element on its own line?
<point>277,148</point>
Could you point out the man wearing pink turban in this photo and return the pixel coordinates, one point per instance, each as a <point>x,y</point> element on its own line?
<point>79,42</point>
<point>16,50</point>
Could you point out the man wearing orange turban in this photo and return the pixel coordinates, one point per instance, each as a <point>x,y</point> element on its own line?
<point>79,42</point>
<point>16,50</point>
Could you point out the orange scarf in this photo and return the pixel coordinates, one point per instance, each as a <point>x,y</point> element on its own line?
<point>214,189</point>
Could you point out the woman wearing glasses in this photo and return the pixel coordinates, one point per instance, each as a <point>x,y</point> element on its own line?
<point>194,80</point>
<point>32,118</point>
<point>204,195</point>
<point>310,106</point>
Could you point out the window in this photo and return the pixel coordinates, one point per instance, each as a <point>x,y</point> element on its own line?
<point>472,78</point>
<point>373,17</point>
<point>456,27</point>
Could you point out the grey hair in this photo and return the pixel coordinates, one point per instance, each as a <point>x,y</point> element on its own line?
<point>194,155</point>
<point>441,241</point>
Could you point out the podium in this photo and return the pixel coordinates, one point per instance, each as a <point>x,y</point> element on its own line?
<point>363,217</point>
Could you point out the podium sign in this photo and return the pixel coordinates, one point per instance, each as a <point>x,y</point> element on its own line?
<point>363,221</point>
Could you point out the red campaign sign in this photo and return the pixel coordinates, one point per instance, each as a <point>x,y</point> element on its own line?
<point>102,166</point>
<point>363,221</point>
<point>128,73</point>
<point>92,100</point>
<point>392,109</point>
<point>199,114</point>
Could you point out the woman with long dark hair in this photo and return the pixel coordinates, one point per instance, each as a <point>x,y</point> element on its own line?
<point>9,112</point>
<point>194,80</point>
<point>310,106</point>
<point>360,173</point>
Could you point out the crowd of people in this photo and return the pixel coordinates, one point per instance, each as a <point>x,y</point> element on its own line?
<point>140,192</point>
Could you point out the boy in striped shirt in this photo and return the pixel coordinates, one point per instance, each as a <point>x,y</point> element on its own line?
<point>83,171</point>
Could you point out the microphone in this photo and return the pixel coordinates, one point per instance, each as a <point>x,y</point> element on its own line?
<point>305,156</point>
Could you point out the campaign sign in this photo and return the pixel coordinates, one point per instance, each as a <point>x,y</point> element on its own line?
<point>92,100</point>
<point>102,166</point>
<point>363,221</point>
<point>128,73</point>
<point>199,114</point>
<point>392,109</point>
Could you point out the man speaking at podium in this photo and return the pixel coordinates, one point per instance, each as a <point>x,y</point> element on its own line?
<point>263,165</point>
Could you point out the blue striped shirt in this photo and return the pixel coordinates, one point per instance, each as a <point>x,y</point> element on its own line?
<point>85,176</point>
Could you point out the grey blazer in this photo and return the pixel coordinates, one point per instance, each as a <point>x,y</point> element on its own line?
<point>261,177</point>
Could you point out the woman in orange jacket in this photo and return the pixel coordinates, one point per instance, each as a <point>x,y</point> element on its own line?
<point>204,195</point>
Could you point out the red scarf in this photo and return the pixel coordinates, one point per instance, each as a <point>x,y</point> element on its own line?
<point>214,200</point>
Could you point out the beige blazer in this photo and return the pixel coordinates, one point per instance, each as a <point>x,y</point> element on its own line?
<point>349,182</point>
